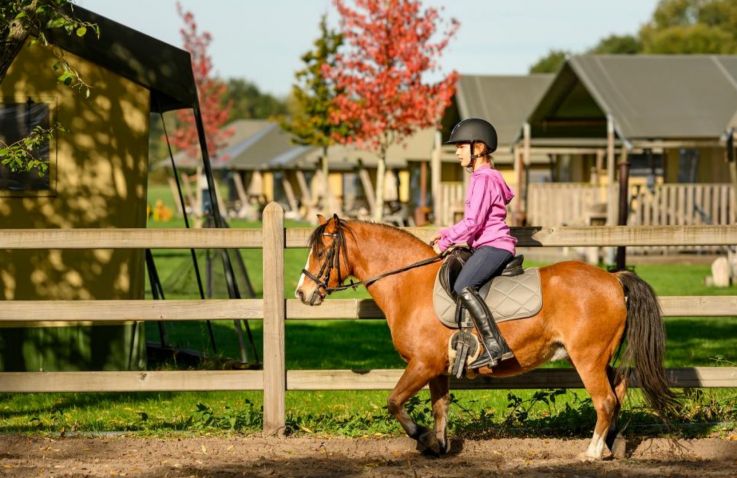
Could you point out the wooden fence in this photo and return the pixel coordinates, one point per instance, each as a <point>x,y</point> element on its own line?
<point>560,204</point>
<point>563,204</point>
<point>274,309</point>
<point>451,202</point>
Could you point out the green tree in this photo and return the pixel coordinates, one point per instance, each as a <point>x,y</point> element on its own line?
<point>313,97</point>
<point>691,26</point>
<point>688,39</point>
<point>248,101</point>
<point>551,62</point>
<point>19,21</point>
<point>676,27</point>
<point>618,45</point>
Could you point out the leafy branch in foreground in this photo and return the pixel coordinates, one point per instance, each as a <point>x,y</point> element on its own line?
<point>21,19</point>
<point>34,19</point>
<point>21,155</point>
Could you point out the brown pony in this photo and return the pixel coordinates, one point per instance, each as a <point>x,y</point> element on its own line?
<point>584,316</point>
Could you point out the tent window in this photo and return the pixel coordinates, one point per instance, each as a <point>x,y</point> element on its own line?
<point>17,120</point>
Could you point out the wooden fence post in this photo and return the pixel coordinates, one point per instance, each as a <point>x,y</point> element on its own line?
<point>275,375</point>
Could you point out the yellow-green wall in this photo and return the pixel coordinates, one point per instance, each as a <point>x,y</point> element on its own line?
<point>100,167</point>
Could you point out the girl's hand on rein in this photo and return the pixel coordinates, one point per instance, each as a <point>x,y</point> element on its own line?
<point>434,244</point>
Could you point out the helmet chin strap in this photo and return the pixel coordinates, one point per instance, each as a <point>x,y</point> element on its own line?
<point>474,157</point>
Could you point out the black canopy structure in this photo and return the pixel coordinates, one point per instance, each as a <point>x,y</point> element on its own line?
<point>166,71</point>
<point>163,69</point>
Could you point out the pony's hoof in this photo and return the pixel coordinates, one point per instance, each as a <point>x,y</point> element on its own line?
<point>584,456</point>
<point>428,444</point>
<point>444,447</point>
<point>619,447</point>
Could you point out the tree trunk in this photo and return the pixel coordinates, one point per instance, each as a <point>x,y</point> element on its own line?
<point>328,206</point>
<point>380,173</point>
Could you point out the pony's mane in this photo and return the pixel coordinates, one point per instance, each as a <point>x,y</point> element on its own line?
<point>315,242</point>
<point>402,232</point>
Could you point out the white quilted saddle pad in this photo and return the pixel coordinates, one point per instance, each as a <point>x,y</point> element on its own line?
<point>508,298</point>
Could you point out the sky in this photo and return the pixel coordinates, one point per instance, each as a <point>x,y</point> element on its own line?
<point>262,41</point>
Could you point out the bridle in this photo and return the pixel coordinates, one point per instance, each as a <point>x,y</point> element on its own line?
<point>332,261</point>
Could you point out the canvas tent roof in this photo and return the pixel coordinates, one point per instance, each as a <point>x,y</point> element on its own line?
<point>269,148</point>
<point>243,131</point>
<point>647,96</point>
<point>504,100</point>
<point>272,148</point>
<point>263,145</point>
<point>162,68</point>
<point>417,147</point>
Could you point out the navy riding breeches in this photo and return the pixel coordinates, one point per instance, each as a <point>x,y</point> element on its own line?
<point>485,263</point>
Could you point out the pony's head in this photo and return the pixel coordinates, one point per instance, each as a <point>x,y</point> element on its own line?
<point>327,263</point>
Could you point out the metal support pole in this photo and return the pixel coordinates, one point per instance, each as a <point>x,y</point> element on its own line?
<point>624,175</point>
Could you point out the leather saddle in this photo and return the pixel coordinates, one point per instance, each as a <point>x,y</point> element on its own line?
<point>458,257</point>
<point>515,294</point>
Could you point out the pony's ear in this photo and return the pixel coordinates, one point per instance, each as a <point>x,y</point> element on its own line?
<point>321,219</point>
<point>336,218</point>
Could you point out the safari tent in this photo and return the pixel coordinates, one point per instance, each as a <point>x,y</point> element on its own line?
<point>97,177</point>
<point>261,162</point>
<point>505,101</point>
<point>666,114</point>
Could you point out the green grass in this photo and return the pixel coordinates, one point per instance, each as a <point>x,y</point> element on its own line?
<point>692,341</point>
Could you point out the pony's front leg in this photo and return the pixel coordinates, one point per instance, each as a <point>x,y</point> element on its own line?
<point>415,376</point>
<point>440,395</point>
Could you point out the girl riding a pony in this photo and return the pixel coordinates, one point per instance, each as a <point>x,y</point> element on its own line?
<point>483,229</point>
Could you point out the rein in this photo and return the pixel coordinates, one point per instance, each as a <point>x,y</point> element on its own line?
<point>333,261</point>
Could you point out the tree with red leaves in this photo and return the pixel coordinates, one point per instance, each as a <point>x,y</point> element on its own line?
<point>392,46</point>
<point>210,90</point>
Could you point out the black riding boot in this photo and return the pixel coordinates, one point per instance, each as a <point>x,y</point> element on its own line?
<point>494,344</point>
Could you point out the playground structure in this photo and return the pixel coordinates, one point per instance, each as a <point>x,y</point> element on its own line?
<point>274,309</point>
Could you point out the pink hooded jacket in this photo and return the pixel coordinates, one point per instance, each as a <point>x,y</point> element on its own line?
<point>484,213</point>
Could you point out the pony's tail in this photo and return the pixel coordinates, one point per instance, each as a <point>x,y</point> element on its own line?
<point>645,348</point>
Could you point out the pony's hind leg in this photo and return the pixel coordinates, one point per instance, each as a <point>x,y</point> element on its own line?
<point>614,440</point>
<point>415,376</point>
<point>596,382</point>
<point>440,396</point>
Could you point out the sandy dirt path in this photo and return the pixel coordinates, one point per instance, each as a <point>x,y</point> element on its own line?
<point>334,457</point>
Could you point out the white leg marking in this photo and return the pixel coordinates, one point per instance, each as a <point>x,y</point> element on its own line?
<point>559,354</point>
<point>596,447</point>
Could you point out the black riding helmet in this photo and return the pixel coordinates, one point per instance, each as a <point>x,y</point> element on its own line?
<point>473,130</point>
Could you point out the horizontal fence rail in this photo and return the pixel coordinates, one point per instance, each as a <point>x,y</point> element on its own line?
<point>14,313</point>
<point>275,308</point>
<point>380,379</point>
<point>129,238</point>
<point>253,238</point>
<point>586,236</point>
